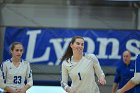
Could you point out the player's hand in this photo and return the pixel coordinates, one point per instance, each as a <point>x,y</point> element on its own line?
<point>69,90</point>
<point>20,91</point>
<point>102,81</point>
<point>9,90</point>
<point>13,91</point>
<point>119,91</point>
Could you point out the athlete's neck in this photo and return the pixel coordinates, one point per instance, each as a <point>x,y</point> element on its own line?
<point>15,60</point>
<point>77,58</point>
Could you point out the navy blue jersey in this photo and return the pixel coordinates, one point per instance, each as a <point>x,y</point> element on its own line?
<point>138,64</point>
<point>123,74</point>
<point>137,88</point>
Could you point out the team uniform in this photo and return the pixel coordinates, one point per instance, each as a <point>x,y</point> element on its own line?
<point>15,77</point>
<point>123,74</point>
<point>136,78</point>
<point>2,85</point>
<point>82,74</point>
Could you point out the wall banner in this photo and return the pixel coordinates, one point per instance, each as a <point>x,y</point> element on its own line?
<point>47,45</point>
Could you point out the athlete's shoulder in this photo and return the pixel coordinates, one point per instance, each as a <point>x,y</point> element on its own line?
<point>89,56</point>
<point>6,61</point>
<point>24,61</point>
<point>66,62</point>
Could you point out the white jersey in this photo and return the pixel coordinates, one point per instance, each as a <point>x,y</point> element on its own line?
<point>15,77</point>
<point>82,74</point>
<point>2,85</point>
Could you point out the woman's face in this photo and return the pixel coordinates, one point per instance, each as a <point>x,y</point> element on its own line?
<point>17,51</point>
<point>78,46</point>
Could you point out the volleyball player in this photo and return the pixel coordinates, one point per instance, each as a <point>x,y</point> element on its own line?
<point>16,71</point>
<point>81,69</point>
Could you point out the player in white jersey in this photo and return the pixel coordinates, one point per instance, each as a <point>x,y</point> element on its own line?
<point>2,85</point>
<point>81,69</point>
<point>16,72</point>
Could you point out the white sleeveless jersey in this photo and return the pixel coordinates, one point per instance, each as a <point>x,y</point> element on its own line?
<point>15,76</point>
